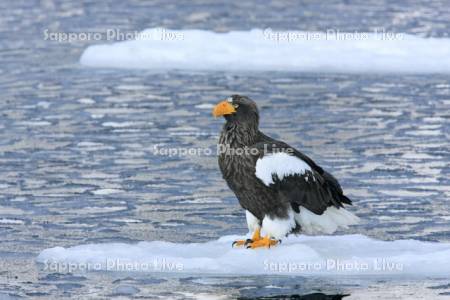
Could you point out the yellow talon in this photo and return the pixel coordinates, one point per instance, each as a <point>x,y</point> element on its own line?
<point>255,237</point>
<point>239,243</point>
<point>265,242</point>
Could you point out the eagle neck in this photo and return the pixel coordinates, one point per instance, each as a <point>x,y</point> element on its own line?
<point>239,135</point>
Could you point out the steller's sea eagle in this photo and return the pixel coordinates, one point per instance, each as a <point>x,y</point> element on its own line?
<point>282,190</point>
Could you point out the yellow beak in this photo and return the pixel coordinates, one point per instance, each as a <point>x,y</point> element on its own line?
<point>223,108</point>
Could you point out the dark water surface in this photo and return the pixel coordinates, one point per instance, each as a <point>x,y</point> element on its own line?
<point>77,145</point>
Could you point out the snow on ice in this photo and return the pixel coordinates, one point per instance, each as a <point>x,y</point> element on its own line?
<point>269,50</point>
<point>297,255</point>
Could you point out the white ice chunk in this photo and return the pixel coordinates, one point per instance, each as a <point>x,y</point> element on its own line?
<point>297,255</point>
<point>268,50</point>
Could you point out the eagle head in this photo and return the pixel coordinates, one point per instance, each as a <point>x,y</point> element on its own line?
<point>238,109</point>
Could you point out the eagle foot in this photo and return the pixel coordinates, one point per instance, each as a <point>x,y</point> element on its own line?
<point>266,242</point>
<point>255,237</point>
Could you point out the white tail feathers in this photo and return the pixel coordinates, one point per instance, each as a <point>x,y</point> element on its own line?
<point>328,222</point>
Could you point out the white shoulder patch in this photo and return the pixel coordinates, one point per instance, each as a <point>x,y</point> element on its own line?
<point>280,164</point>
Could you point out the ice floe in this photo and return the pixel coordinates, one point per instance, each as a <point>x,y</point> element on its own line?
<point>268,50</point>
<point>11,221</point>
<point>301,255</point>
<point>107,191</point>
